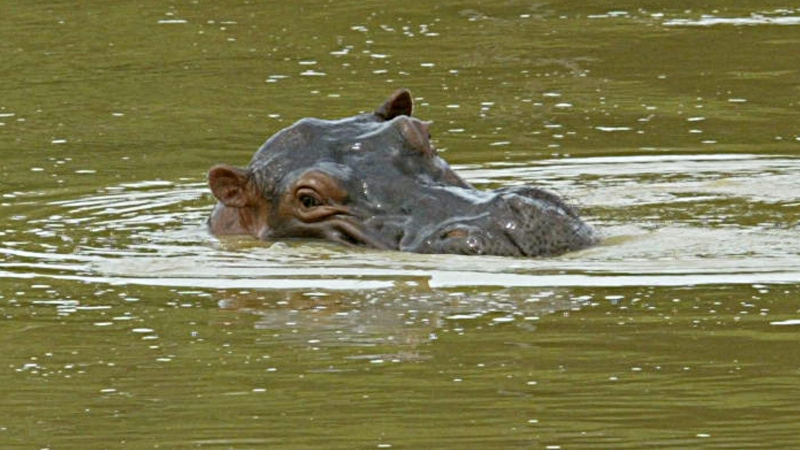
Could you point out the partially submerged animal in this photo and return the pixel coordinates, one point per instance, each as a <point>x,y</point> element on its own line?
<point>375,180</point>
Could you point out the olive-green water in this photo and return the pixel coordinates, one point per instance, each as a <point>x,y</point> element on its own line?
<point>675,129</point>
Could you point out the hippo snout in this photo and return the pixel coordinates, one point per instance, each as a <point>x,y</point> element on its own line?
<point>525,223</point>
<point>465,239</point>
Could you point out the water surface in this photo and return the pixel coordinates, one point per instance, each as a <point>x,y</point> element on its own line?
<point>673,129</point>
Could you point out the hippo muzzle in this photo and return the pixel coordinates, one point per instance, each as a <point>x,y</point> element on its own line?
<point>375,180</point>
<point>516,221</point>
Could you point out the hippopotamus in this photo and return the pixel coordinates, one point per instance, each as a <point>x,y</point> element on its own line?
<point>375,180</point>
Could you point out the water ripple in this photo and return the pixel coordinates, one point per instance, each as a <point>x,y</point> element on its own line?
<point>667,219</point>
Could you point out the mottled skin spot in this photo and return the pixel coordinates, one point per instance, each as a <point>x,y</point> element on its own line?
<point>375,180</point>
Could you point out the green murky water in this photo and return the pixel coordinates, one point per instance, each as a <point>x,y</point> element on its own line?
<point>124,325</point>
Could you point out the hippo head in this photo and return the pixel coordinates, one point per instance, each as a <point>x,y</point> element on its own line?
<point>375,180</point>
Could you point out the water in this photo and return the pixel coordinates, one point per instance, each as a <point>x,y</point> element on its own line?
<point>673,129</point>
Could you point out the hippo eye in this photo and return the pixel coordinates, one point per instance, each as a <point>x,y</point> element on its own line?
<point>309,201</point>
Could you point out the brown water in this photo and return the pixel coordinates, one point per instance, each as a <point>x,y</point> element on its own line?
<point>675,129</point>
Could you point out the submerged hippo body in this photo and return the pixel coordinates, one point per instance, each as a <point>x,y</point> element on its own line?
<point>375,180</point>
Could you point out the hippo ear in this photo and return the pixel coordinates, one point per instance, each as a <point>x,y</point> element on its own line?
<point>399,104</point>
<point>231,186</point>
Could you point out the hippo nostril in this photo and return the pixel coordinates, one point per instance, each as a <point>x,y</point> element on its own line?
<point>455,234</point>
<point>462,240</point>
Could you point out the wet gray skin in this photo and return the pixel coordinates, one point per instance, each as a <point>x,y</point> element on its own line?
<point>375,180</point>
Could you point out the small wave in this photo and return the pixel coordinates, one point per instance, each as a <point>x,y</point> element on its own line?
<point>752,20</point>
